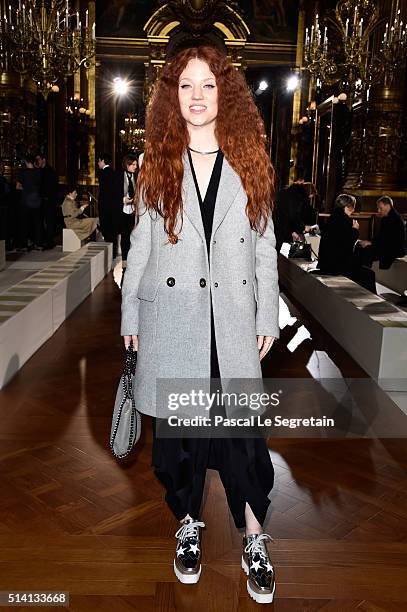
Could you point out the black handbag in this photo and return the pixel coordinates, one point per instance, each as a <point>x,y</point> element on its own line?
<point>126,423</point>
<point>300,250</point>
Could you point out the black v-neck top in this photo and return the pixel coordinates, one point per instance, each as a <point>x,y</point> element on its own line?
<point>207,205</point>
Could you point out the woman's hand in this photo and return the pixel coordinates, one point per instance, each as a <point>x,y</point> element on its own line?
<point>128,339</point>
<point>264,344</point>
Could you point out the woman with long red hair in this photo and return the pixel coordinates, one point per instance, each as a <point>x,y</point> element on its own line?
<point>200,295</point>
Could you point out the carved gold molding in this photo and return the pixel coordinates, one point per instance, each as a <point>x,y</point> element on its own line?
<point>256,54</point>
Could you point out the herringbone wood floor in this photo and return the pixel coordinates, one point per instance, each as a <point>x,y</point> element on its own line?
<point>74,519</point>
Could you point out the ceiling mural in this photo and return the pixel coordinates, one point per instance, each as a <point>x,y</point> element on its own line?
<point>271,20</point>
<point>123,18</point>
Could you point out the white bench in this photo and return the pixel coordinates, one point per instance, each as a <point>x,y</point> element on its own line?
<point>70,241</point>
<point>372,330</point>
<point>395,277</point>
<point>33,309</point>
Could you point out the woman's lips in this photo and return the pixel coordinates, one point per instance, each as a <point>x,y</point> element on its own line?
<point>197,109</point>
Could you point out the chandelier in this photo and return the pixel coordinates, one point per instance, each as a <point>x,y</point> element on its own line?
<point>354,64</point>
<point>45,41</point>
<point>76,107</point>
<point>133,136</point>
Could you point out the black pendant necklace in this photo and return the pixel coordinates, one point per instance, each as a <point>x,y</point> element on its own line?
<point>203,152</point>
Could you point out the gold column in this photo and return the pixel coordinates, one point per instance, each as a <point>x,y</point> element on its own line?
<point>158,46</point>
<point>51,129</point>
<point>381,167</point>
<point>379,138</point>
<point>91,104</point>
<point>297,95</point>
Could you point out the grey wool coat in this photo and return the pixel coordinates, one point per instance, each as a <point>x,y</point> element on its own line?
<point>167,289</point>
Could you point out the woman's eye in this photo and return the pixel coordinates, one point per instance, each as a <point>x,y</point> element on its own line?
<point>208,85</point>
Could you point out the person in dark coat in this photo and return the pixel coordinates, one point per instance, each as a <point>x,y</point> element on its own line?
<point>49,199</point>
<point>30,217</point>
<point>106,200</point>
<point>390,242</point>
<point>5,187</point>
<point>339,237</point>
<point>6,209</point>
<point>293,213</point>
<point>124,191</point>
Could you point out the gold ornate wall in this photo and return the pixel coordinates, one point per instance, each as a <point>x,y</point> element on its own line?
<point>175,24</point>
<point>363,149</point>
<point>18,113</point>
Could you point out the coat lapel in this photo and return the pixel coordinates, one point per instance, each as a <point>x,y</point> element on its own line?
<point>228,187</point>
<point>190,198</point>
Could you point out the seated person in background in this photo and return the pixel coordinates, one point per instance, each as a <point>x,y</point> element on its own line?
<point>390,241</point>
<point>83,227</point>
<point>293,213</point>
<point>338,240</point>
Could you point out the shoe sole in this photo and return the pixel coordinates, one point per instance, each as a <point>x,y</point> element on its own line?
<point>261,598</point>
<point>187,578</point>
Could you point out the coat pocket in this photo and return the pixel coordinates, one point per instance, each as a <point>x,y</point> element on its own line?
<point>147,290</point>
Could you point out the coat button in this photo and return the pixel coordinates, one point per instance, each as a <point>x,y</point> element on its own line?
<point>214,242</point>
<point>216,285</point>
<point>244,281</point>
<point>170,281</point>
<point>202,282</point>
<point>241,239</point>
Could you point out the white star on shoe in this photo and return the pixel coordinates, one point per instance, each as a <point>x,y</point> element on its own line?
<point>255,565</point>
<point>269,568</point>
<point>180,551</point>
<point>194,548</point>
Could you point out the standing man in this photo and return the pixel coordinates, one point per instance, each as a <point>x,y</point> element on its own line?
<point>106,200</point>
<point>30,218</point>
<point>49,199</point>
<point>294,214</point>
<point>7,224</point>
<point>125,191</point>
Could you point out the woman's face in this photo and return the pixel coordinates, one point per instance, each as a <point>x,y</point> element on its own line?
<point>198,94</point>
<point>132,167</point>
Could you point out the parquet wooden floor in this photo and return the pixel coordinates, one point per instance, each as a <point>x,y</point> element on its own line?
<point>72,518</point>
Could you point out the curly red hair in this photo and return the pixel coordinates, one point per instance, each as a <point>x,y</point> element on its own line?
<point>239,131</point>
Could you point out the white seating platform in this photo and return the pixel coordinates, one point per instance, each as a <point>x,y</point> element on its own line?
<point>395,277</point>
<point>70,241</point>
<point>33,309</point>
<point>372,330</point>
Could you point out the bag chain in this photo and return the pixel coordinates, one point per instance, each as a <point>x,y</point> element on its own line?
<point>127,377</point>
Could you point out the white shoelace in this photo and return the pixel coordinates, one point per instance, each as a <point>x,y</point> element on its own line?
<point>189,530</point>
<point>257,545</point>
